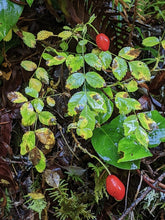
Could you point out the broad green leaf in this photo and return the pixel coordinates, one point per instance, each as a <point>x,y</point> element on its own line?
<point>65,34</point>
<point>86,123</point>
<point>47,56</point>
<point>75,80</point>
<point>42,75</point>
<point>105,141</point>
<point>129,53</point>
<point>47,118</point>
<point>119,68</point>
<point>28,115</point>
<point>132,86</point>
<point>132,150</point>
<point>64,45</point>
<point>157,135</point>
<point>83,42</point>
<point>163,44</point>
<point>80,49</point>
<point>74,63</point>
<point>93,61</point>
<point>103,117</point>
<point>50,101</point>
<point>146,122</point>
<point>130,125</point>
<point>108,92</point>
<point>28,142</point>
<point>40,167</point>
<point>95,80</point>
<point>45,136</point>
<point>35,84</point>
<point>96,102</point>
<point>38,105</point>
<point>9,15</point>
<point>125,104</point>
<point>142,136</point>
<point>140,70</point>
<point>29,39</point>
<point>150,41</point>
<point>16,97</point>
<point>57,60</point>
<point>43,35</point>
<point>31,92</point>
<point>106,59</point>
<point>77,103</point>
<point>28,65</point>
<point>30,2</point>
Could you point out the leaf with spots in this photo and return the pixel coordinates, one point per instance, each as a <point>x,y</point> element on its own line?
<point>125,104</point>
<point>142,136</point>
<point>43,35</point>
<point>146,122</point>
<point>38,105</point>
<point>28,115</point>
<point>106,59</point>
<point>28,142</point>
<point>47,118</point>
<point>42,75</point>
<point>139,70</point>
<point>129,53</point>
<point>131,149</point>
<point>29,39</point>
<point>45,136</point>
<point>35,84</point>
<point>16,97</point>
<point>31,92</point>
<point>93,61</point>
<point>28,65</point>
<point>74,63</point>
<point>119,67</point>
<point>75,80</point>
<point>96,102</point>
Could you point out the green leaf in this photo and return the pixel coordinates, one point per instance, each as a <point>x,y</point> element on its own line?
<point>83,42</point>
<point>47,118</point>
<point>130,125</point>
<point>163,44</point>
<point>30,2</point>
<point>77,103</point>
<point>65,34</point>
<point>105,141</point>
<point>96,102</point>
<point>132,86</point>
<point>16,97</point>
<point>142,136</point>
<point>50,101</point>
<point>95,80</point>
<point>140,70</point>
<point>64,45</point>
<point>9,15</point>
<point>80,49</point>
<point>93,61</point>
<point>129,53</point>
<point>40,167</point>
<point>35,84</point>
<point>28,65</point>
<point>28,142</point>
<point>150,41</point>
<point>75,80</point>
<point>29,39</point>
<point>119,67</point>
<point>28,115</point>
<point>42,75</point>
<point>43,35</point>
<point>103,117</point>
<point>86,123</point>
<point>157,135</point>
<point>47,56</point>
<point>125,104</point>
<point>146,122</point>
<point>74,63</point>
<point>45,136</point>
<point>106,59</point>
<point>132,150</point>
<point>38,105</point>
<point>31,92</point>
<point>91,19</point>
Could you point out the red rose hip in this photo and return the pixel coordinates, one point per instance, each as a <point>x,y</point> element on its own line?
<point>102,41</point>
<point>115,187</point>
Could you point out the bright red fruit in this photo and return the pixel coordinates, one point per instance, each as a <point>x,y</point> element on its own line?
<point>115,187</point>
<point>102,41</point>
